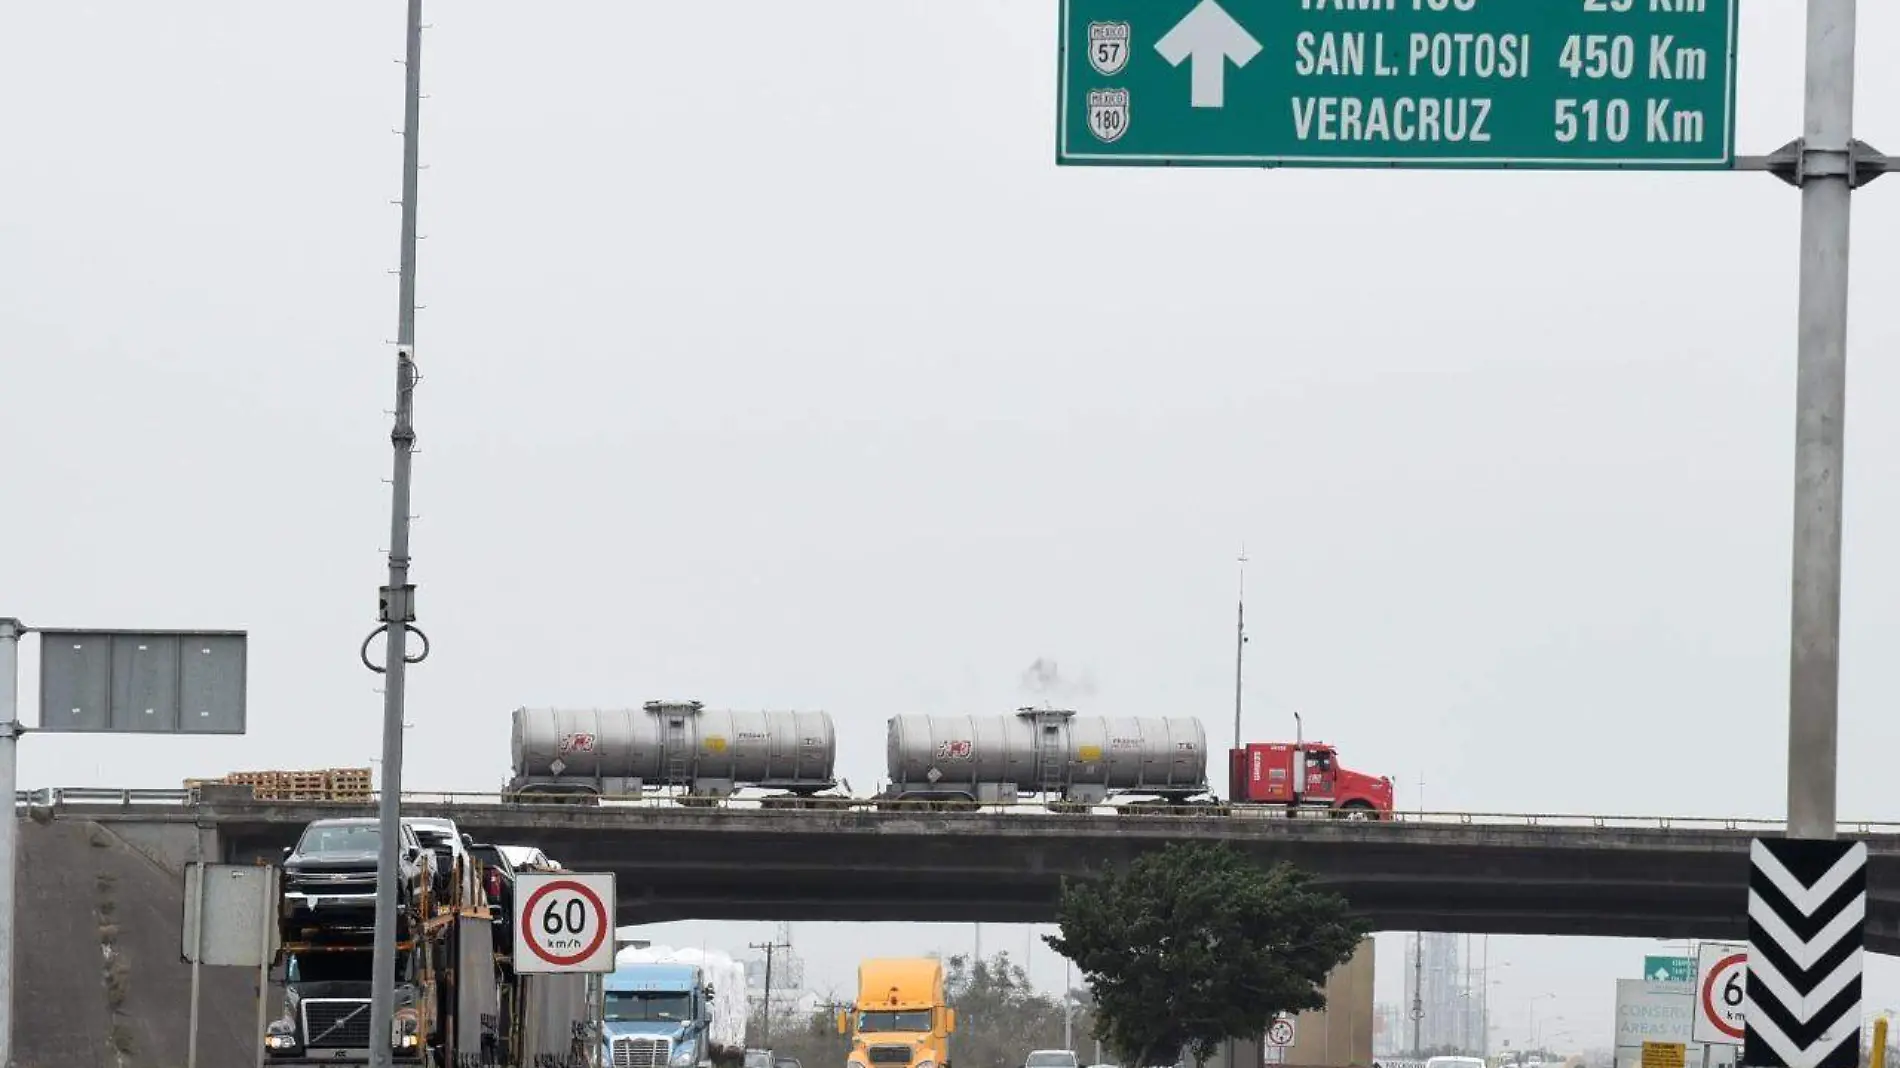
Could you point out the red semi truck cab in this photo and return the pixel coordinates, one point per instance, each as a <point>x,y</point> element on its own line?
<point>1266,773</point>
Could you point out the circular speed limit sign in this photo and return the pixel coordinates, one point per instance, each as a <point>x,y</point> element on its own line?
<point>564,922</point>
<point>1724,990</point>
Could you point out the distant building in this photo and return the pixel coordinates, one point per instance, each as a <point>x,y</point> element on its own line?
<point>1444,997</point>
<point>1390,1036</point>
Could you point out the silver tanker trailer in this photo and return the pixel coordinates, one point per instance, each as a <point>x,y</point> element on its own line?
<point>1083,760</point>
<point>585,754</point>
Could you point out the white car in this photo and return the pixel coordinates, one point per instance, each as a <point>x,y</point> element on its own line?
<point>450,846</point>
<point>1051,1058</point>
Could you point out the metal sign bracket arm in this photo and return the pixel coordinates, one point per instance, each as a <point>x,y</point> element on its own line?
<point>1794,163</point>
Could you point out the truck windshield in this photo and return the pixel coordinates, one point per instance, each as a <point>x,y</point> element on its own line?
<point>625,1007</point>
<point>343,967</point>
<point>894,1021</point>
<point>344,838</point>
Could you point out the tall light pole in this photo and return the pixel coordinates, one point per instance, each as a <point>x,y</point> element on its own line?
<point>1826,175</point>
<point>1418,992</point>
<point>1534,1002</point>
<point>1068,1008</point>
<point>398,607</point>
<point>1484,1002</point>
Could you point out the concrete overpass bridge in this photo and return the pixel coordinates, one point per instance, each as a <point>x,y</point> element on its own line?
<point>1544,875</point>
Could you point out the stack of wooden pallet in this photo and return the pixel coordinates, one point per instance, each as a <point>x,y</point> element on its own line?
<point>331,784</point>
<point>349,784</point>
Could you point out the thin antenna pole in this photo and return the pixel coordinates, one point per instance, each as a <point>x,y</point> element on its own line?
<point>1240,641</point>
<point>398,609</point>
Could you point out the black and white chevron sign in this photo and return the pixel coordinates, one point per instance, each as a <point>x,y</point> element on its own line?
<point>1807,912</point>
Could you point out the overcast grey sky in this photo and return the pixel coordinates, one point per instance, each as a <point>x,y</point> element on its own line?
<point>771,360</point>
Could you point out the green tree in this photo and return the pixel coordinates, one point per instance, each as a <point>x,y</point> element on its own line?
<point>1000,1016</point>
<point>811,1035</point>
<point>1195,943</point>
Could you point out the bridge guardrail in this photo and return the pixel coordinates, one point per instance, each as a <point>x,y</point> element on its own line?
<point>59,795</point>
<point>79,798</point>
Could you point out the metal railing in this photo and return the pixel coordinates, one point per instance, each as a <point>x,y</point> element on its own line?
<point>93,797</point>
<point>60,795</point>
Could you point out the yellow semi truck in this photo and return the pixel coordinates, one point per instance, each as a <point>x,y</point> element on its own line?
<point>900,1019</point>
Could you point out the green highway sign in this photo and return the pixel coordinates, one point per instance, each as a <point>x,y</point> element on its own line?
<point>1669,969</point>
<point>1639,84</point>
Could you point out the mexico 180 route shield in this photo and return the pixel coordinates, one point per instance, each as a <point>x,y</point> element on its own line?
<point>1634,84</point>
<point>564,922</point>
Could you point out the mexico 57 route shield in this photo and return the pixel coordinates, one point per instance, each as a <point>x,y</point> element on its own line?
<point>1636,84</point>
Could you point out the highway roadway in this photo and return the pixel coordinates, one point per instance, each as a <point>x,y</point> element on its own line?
<point>1547,875</point>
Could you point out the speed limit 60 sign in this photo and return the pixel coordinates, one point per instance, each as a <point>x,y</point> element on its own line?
<point>1721,987</point>
<point>564,922</point>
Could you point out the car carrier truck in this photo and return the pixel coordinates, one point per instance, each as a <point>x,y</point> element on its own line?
<point>458,1000</point>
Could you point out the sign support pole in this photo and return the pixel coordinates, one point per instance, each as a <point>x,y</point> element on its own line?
<point>1826,177</point>
<point>267,907</point>
<point>197,963</point>
<point>10,731</point>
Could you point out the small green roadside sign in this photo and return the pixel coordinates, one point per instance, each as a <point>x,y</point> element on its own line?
<point>1669,969</point>
<point>1637,84</point>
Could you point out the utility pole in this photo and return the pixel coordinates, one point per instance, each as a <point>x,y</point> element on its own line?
<point>765,1036</point>
<point>398,606</point>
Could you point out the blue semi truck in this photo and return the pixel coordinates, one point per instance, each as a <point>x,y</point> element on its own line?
<point>674,1009</point>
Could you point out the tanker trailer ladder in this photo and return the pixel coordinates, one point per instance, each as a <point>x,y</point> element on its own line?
<point>1052,758</point>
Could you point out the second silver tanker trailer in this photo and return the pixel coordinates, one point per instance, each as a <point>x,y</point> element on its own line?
<point>984,760</point>
<point>585,754</point>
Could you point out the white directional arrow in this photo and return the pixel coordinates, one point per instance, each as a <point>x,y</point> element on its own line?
<point>1210,37</point>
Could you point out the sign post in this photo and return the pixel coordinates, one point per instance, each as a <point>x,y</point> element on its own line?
<point>1419,83</point>
<point>564,922</point>
<point>230,920</point>
<point>108,681</point>
<point>1721,994</point>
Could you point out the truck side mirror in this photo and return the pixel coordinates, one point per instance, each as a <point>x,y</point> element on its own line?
<point>949,1021</point>
<point>288,849</point>
<point>844,1023</point>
